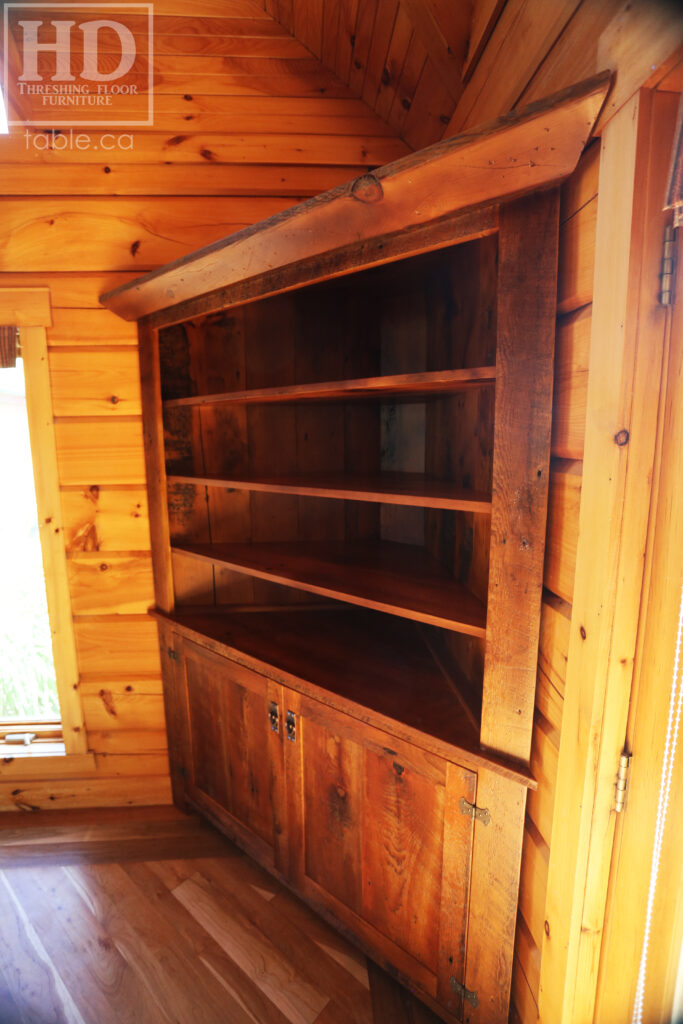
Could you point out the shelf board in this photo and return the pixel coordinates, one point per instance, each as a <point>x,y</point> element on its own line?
<point>404,384</point>
<point>371,666</point>
<point>389,488</point>
<point>401,579</point>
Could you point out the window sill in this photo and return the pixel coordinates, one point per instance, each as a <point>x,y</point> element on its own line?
<point>43,761</point>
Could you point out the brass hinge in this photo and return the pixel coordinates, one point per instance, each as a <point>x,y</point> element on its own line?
<point>471,997</point>
<point>666,275</point>
<point>622,782</point>
<point>481,814</point>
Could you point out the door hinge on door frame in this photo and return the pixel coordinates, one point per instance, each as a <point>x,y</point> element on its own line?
<point>668,267</point>
<point>622,782</point>
<point>481,814</point>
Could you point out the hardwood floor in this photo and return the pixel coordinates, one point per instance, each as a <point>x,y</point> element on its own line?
<point>146,916</point>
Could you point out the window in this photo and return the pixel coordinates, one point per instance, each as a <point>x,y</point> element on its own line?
<point>28,683</point>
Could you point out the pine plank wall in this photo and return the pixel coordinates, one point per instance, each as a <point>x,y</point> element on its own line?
<point>261,136</point>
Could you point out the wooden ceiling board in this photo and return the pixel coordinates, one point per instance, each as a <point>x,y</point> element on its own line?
<point>389,51</point>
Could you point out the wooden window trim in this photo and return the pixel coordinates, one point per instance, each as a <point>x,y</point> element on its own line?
<point>29,309</point>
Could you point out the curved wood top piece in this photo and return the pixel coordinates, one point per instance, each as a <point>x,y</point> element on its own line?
<point>521,152</point>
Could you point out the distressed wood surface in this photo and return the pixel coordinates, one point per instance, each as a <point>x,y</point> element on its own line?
<point>385,576</point>
<point>374,205</point>
<point>526,310</point>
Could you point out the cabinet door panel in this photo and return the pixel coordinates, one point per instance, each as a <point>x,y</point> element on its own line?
<point>237,758</point>
<point>332,782</point>
<point>370,813</point>
<point>402,854</point>
<point>251,778</point>
<point>208,710</point>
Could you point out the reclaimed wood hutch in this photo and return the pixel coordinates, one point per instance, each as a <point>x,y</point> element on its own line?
<point>347,423</point>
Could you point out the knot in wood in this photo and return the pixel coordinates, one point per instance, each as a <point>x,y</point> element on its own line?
<point>367,189</point>
<point>621,438</point>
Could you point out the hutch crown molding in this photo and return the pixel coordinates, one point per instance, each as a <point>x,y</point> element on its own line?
<point>347,423</point>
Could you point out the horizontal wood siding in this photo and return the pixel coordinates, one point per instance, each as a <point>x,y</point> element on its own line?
<point>246,124</point>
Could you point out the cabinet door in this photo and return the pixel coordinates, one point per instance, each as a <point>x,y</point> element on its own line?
<point>236,749</point>
<point>377,837</point>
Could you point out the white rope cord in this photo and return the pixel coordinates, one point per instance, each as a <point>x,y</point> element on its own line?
<point>675,709</point>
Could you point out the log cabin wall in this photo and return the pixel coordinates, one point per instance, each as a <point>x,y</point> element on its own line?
<point>236,138</point>
<point>260,137</point>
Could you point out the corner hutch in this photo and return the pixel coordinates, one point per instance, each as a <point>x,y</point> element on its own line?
<point>347,424</point>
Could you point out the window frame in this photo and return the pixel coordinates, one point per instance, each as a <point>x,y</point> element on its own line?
<point>29,309</point>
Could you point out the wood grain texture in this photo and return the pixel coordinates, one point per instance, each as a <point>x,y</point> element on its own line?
<point>155,468</point>
<point>389,488</point>
<point>438,381</point>
<point>98,924</point>
<point>112,585</point>
<point>526,309</point>
<point>570,385</point>
<point>94,382</point>
<point>29,307</point>
<point>105,518</point>
<point>385,576</point>
<point>76,326</point>
<point>523,34</point>
<point>95,451</point>
<point>614,511</point>
<point>562,538</point>
<point>648,718</point>
<point>493,900</point>
<point>568,120</point>
<point>45,442</point>
<point>117,643</point>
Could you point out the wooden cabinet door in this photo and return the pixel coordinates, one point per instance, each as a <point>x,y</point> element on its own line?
<point>237,771</point>
<point>377,838</point>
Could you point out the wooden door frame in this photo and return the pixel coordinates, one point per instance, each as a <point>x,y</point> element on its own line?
<point>646,736</point>
<point>29,309</point>
<point>626,374</point>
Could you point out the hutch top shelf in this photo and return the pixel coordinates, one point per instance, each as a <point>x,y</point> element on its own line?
<point>407,206</point>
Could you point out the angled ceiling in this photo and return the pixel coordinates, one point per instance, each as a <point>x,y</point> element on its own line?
<point>407,59</point>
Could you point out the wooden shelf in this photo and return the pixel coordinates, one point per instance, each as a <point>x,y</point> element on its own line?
<point>389,488</point>
<point>402,384</point>
<point>398,578</point>
<point>362,663</point>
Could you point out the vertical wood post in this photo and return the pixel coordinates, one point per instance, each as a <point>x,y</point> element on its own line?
<point>527,299</point>
<point>153,439</point>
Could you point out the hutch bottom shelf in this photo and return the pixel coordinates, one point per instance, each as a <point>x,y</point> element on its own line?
<point>350,767</point>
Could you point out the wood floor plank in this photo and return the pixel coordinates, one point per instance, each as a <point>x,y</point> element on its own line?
<point>103,986</point>
<point>181,923</point>
<point>289,933</point>
<point>169,970</point>
<point>347,956</point>
<point>31,991</point>
<point>75,839</point>
<point>92,934</point>
<point>223,919</point>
